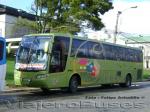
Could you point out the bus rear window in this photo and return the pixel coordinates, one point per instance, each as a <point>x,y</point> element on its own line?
<point>1,50</point>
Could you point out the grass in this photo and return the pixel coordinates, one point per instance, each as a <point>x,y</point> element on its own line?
<point>10,71</point>
<point>146,74</point>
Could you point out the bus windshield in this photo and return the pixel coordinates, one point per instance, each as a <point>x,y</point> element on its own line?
<point>31,55</point>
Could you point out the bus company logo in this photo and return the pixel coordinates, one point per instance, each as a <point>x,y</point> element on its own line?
<point>29,66</point>
<point>89,66</point>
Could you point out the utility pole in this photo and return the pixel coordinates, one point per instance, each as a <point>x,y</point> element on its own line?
<point>116,27</point>
<point>117,21</point>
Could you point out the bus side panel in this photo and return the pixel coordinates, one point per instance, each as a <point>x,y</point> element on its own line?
<point>2,76</point>
<point>2,63</point>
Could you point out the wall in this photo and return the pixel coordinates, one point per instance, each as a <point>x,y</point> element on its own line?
<point>2,25</point>
<point>10,23</point>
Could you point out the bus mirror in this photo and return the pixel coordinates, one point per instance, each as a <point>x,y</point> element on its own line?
<point>9,48</point>
<point>46,47</point>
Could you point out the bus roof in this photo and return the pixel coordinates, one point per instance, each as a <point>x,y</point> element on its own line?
<point>82,38</point>
<point>47,34</point>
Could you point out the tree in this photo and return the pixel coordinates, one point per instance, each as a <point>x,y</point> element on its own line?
<point>72,15</point>
<point>37,9</point>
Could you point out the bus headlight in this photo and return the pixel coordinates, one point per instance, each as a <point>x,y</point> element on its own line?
<point>42,76</point>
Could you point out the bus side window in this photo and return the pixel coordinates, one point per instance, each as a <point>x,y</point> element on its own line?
<point>78,49</point>
<point>59,54</point>
<point>95,50</point>
<point>108,51</point>
<point>140,56</point>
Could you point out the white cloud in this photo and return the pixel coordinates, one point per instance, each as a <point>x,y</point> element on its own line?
<point>131,20</point>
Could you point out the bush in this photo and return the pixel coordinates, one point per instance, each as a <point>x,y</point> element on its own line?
<point>146,74</point>
<point>10,70</point>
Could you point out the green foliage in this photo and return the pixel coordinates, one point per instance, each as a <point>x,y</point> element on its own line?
<point>10,71</point>
<point>146,74</point>
<point>70,15</point>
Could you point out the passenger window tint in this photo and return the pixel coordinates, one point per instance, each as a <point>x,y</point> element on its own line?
<point>59,54</point>
<point>95,50</point>
<point>79,48</point>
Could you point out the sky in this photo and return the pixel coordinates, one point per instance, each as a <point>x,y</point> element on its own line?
<point>19,4</point>
<point>131,20</point>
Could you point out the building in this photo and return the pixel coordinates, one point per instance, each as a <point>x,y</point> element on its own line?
<point>8,20</point>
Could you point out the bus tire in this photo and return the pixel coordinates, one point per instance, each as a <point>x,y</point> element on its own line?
<point>128,82</point>
<point>73,84</point>
<point>106,85</point>
<point>45,90</point>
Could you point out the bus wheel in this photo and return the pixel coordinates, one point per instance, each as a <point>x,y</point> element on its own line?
<point>45,90</point>
<point>106,85</point>
<point>73,84</point>
<point>127,82</point>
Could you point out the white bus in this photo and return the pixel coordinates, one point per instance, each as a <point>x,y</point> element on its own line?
<point>2,63</point>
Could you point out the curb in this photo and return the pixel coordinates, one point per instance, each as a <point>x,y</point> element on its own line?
<point>11,90</point>
<point>23,89</point>
<point>146,80</point>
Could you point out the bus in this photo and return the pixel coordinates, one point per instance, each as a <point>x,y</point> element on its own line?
<point>57,60</point>
<point>2,63</point>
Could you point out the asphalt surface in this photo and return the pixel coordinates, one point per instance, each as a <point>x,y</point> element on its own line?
<point>91,99</point>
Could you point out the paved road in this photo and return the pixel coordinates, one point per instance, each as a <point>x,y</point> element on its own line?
<point>92,99</point>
